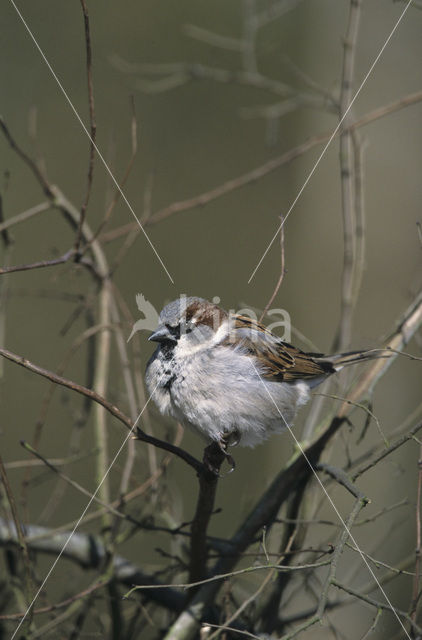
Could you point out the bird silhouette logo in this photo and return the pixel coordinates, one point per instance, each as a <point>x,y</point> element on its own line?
<point>150,320</point>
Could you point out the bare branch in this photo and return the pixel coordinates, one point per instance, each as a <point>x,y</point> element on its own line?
<point>263,170</point>
<point>204,509</point>
<point>88,551</point>
<point>25,215</point>
<point>28,582</point>
<point>93,125</point>
<point>281,276</point>
<point>341,477</point>
<point>416,582</point>
<point>111,408</point>
<point>39,265</point>
<point>377,604</point>
<point>39,175</point>
<point>295,475</point>
<point>348,179</point>
<point>386,451</point>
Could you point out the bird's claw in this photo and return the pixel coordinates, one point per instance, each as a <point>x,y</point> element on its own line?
<point>216,453</point>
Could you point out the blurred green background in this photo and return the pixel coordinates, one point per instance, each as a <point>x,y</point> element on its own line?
<point>193,138</point>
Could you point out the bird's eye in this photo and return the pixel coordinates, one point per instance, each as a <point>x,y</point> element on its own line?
<point>181,329</point>
<point>174,331</point>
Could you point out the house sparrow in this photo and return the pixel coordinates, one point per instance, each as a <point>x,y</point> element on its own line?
<point>228,377</point>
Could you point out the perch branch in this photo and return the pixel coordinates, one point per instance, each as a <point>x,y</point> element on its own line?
<point>204,509</point>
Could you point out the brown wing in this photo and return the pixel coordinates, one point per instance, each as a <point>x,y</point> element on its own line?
<point>280,361</point>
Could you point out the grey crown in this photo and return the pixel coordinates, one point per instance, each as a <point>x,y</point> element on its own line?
<point>174,311</point>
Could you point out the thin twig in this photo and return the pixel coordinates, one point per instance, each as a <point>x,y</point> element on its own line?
<point>118,191</point>
<point>231,574</point>
<point>5,236</point>
<point>399,571</point>
<point>342,478</point>
<point>292,540</point>
<point>139,384</point>
<point>282,271</point>
<point>28,161</point>
<point>416,580</point>
<point>29,587</point>
<point>100,383</point>
<point>53,607</point>
<point>93,125</point>
<point>386,451</point>
<point>263,170</point>
<point>135,493</point>
<point>268,578</point>
<point>373,625</point>
<point>57,494</point>
<point>359,405</point>
<point>338,550</point>
<point>408,326</point>
<point>108,508</point>
<point>360,223</point>
<point>39,265</point>
<point>57,462</point>
<point>130,392</point>
<point>25,215</point>
<point>111,408</point>
<point>377,604</point>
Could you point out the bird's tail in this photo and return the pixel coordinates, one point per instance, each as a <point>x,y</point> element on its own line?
<point>340,360</point>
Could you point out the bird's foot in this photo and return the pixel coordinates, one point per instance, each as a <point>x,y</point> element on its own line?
<point>231,438</point>
<point>216,453</point>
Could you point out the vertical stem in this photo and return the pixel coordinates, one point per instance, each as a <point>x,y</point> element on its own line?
<point>103,347</point>
<point>28,588</point>
<point>130,390</point>
<point>93,125</point>
<point>416,579</point>
<point>357,507</point>
<point>100,386</point>
<point>282,271</point>
<point>204,508</point>
<point>347,179</point>
<point>359,266</point>
<point>4,284</point>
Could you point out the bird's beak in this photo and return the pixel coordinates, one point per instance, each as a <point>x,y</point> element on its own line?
<point>162,334</point>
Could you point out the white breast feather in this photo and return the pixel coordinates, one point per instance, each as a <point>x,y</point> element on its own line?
<point>232,397</point>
